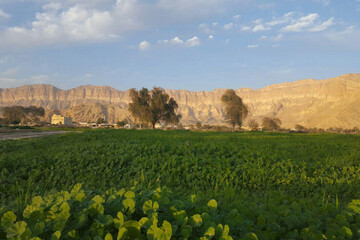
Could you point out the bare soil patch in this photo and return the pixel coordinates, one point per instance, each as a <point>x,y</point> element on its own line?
<point>13,134</point>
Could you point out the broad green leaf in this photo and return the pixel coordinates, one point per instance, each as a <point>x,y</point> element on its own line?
<point>108,237</point>
<point>98,199</point>
<point>8,219</point>
<point>56,235</point>
<point>129,205</point>
<point>29,210</point>
<point>35,238</point>
<point>212,204</point>
<point>133,228</point>
<point>120,220</point>
<point>37,201</point>
<point>96,209</point>
<point>76,189</point>
<point>72,234</point>
<point>147,206</point>
<point>250,236</point>
<point>196,220</point>
<point>129,194</point>
<point>210,232</point>
<point>122,233</point>
<point>167,229</point>
<point>16,230</point>
<point>179,216</point>
<point>38,228</point>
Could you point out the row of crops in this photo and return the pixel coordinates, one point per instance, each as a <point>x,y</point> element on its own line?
<point>194,185</point>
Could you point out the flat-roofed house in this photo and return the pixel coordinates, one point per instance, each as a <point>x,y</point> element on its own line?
<point>60,120</point>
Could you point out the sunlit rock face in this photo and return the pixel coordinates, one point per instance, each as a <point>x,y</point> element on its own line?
<point>312,103</point>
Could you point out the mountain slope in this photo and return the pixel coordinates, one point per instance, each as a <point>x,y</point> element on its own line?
<point>311,103</point>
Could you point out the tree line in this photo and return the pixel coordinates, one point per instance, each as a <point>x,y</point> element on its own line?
<point>19,114</point>
<point>155,106</point>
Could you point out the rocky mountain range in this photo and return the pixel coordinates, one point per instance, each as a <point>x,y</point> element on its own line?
<point>312,103</point>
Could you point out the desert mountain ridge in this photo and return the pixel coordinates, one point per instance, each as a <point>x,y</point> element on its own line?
<point>312,103</point>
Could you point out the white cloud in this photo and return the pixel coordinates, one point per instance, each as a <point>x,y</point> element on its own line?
<point>177,41</point>
<point>308,23</point>
<point>228,26</point>
<point>246,28</point>
<point>211,37</point>
<point>259,28</point>
<point>205,28</point>
<point>323,26</point>
<point>301,23</point>
<point>52,6</point>
<point>263,37</point>
<point>278,38</point>
<point>72,21</point>
<point>144,45</point>
<point>284,19</point>
<point>4,14</point>
<point>191,42</point>
<point>236,17</point>
<point>253,46</point>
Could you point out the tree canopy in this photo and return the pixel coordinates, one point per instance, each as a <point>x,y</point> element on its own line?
<point>235,110</point>
<point>17,114</point>
<point>271,123</point>
<point>153,106</point>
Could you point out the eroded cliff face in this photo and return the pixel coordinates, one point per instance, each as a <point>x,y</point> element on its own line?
<point>312,103</point>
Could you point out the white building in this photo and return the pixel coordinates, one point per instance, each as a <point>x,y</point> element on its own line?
<point>60,120</point>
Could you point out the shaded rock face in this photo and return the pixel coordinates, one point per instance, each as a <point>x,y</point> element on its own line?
<point>312,103</point>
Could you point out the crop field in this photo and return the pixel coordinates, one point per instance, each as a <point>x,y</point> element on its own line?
<point>128,184</point>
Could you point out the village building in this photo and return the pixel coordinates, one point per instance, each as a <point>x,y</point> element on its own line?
<point>60,120</point>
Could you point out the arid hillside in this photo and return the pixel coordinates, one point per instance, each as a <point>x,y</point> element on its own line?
<point>312,103</point>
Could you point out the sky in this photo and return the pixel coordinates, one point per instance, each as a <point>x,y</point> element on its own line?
<point>176,44</point>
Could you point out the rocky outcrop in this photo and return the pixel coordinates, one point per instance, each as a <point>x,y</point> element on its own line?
<point>312,103</point>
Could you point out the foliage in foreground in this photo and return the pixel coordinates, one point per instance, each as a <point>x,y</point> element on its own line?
<point>114,215</point>
<point>154,215</point>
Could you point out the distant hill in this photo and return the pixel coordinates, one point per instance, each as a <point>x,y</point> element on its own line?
<point>326,103</point>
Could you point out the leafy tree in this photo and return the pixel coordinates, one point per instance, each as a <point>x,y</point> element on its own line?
<point>19,114</point>
<point>153,106</point>
<point>122,123</point>
<point>198,125</point>
<point>298,127</point>
<point>100,121</point>
<point>253,124</point>
<point>235,110</point>
<point>271,123</point>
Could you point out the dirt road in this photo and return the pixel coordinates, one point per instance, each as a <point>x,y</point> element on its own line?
<point>19,134</point>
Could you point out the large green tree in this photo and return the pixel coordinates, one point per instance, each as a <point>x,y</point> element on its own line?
<point>153,106</point>
<point>235,110</point>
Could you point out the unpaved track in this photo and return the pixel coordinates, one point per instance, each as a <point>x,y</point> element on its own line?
<point>14,135</point>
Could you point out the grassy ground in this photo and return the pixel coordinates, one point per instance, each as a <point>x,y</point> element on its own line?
<point>250,172</point>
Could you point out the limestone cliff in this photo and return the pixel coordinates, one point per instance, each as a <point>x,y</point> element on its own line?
<point>312,103</point>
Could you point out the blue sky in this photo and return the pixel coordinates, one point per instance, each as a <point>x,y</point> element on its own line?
<point>177,44</point>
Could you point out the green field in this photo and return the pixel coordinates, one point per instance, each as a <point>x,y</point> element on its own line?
<point>265,186</point>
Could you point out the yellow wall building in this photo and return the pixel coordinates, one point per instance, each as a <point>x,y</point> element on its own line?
<point>60,120</point>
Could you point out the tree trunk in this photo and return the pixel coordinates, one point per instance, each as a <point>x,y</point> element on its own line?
<point>153,125</point>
